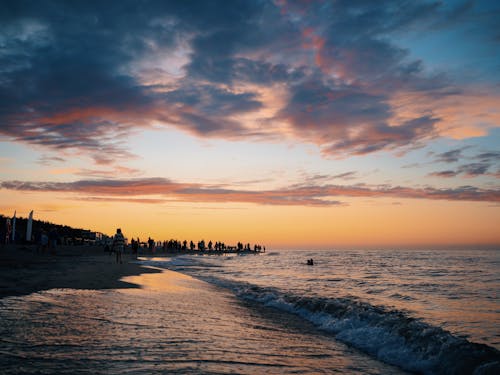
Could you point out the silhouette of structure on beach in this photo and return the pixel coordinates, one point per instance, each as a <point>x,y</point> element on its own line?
<point>66,235</point>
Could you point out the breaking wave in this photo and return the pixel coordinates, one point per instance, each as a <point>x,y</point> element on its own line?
<point>389,335</point>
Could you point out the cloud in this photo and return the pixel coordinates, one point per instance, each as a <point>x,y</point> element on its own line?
<point>491,156</point>
<point>346,120</point>
<point>446,174</point>
<point>483,164</point>
<point>178,191</point>
<point>297,195</point>
<point>207,109</point>
<point>346,175</point>
<point>213,101</point>
<point>108,173</point>
<point>68,78</point>
<point>474,169</point>
<point>49,160</point>
<point>72,74</point>
<point>451,156</point>
<point>324,178</point>
<point>326,113</point>
<point>154,201</point>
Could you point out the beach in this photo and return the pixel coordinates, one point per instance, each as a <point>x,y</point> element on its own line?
<point>80,312</point>
<point>250,187</point>
<point>24,271</point>
<point>70,314</point>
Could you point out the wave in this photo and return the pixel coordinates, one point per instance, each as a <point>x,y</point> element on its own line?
<point>272,254</point>
<point>392,336</point>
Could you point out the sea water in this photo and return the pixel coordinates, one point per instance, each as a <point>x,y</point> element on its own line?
<point>424,311</point>
<point>171,324</point>
<point>353,312</point>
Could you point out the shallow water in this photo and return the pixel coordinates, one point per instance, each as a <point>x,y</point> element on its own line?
<point>173,324</point>
<point>457,290</point>
<point>424,311</point>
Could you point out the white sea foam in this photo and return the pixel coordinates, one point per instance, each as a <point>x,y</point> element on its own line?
<point>389,335</point>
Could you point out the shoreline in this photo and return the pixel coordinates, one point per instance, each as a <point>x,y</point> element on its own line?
<point>173,324</point>
<point>23,271</point>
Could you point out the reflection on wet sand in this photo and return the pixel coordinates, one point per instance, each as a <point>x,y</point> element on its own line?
<point>168,281</point>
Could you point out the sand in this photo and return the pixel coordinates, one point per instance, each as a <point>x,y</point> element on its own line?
<point>23,271</point>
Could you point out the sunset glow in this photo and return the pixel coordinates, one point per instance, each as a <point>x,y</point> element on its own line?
<point>293,124</point>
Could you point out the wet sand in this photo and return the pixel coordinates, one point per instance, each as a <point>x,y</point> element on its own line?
<point>23,271</point>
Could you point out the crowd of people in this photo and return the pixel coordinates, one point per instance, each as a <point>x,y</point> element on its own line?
<point>118,245</point>
<point>47,239</point>
<point>178,246</point>
<point>175,245</point>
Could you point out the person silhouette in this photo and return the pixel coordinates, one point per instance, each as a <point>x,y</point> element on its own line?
<point>135,248</point>
<point>118,244</point>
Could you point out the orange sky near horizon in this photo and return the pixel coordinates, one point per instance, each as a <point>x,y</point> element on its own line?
<point>365,223</point>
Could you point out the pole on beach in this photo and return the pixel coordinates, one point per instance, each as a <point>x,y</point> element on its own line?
<point>14,227</point>
<point>29,227</point>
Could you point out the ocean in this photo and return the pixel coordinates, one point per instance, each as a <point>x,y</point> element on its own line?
<point>353,312</point>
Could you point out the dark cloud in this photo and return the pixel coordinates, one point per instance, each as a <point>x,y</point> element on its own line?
<point>317,179</point>
<point>234,51</point>
<point>262,72</point>
<point>231,70</point>
<point>353,44</point>
<point>474,169</point>
<point>446,174</point>
<point>66,70</point>
<point>212,100</point>
<point>207,110</point>
<point>299,195</point>
<point>384,136</point>
<point>346,175</point>
<point>451,156</point>
<point>344,119</point>
<point>327,112</point>
<point>70,90</point>
<point>467,170</point>
<point>354,41</point>
<point>69,71</point>
<point>492,156</point>
<point>482,164</point>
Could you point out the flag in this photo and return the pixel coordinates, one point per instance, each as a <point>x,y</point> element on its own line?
<point>29,227</point>
<point>14,227</point>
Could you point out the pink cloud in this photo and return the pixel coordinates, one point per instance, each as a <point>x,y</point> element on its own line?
<point>310,195</point>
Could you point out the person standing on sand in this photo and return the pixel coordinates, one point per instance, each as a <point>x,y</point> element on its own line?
<point>135,247</point>
<point>118,244</point>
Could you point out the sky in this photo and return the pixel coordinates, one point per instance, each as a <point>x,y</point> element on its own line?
<point>292,124</point>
